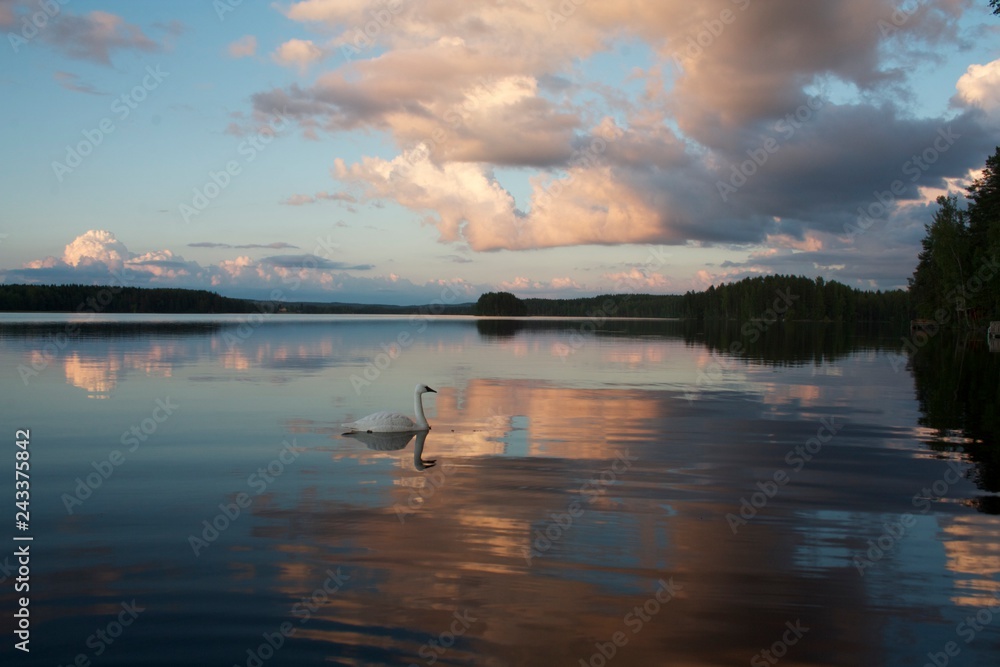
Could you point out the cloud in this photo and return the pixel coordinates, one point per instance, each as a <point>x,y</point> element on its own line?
<point>298,53</point>
<point>468,204</point>
<point>96,246</point>
<point>476,106</point>
<point>97,257</point>
<point>638,279</point>
<point>511,93</point>
<point>312,262</point>
<point>95,36</point>
<point>171,28</point>
<point>7,17</point>
<point>979,87</point>
<point>303,199</point>
<point>554,287</point>
<point>277,245</point>
<point>298,200</point>
<point>244,47</point>
<point>163,264</point>
<point>71,81</point>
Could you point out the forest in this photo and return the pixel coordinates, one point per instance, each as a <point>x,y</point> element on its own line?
<point>796,298</point>
<point>789,297</point>
<point>776,297</point>
<point>115,299</point>
<point>955,278</point>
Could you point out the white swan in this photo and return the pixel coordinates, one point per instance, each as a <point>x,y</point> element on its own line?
<point>394,422</point>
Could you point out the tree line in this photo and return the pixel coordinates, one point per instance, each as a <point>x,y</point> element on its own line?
<point>955,278</point>
<point>91,298</point>
<point>776,297</point>
<point>796,298</point>
<point>788,297</point>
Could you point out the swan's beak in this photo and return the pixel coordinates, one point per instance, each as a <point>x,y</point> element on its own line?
<point>430,390</point>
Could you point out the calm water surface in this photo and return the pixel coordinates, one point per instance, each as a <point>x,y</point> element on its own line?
<point>635,495</point>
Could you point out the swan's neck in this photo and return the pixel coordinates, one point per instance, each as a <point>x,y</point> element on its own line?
<point>418,408</point>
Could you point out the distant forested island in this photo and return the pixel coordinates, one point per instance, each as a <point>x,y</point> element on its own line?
<point>776,297</point>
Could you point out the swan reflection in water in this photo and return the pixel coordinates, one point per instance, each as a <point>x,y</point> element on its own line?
<point>391,442</point>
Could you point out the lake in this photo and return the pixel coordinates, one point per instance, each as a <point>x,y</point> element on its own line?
<point>591,493</point>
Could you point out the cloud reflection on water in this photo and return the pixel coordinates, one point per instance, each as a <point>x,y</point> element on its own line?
<point>516,434</point>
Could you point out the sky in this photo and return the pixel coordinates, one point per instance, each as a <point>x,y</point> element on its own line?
<point>405,151</point>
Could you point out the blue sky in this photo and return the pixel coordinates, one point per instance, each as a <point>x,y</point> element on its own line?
<point>380,151</point>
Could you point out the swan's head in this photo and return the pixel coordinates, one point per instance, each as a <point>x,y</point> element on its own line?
<point>423,389</point>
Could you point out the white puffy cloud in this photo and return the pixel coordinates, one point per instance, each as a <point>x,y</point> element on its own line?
<point>980,87</point>
<point>638,279</point>
<point>97,257</point>
<point>96,246</point>
<point>554,287</point>
<point>298,53</point>
<point>587,206</point>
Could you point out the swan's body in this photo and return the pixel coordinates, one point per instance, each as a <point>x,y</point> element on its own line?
<point>394,422</point>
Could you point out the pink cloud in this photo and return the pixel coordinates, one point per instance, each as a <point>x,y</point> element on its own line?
<point>297,53</point>
<point>244,47</point>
